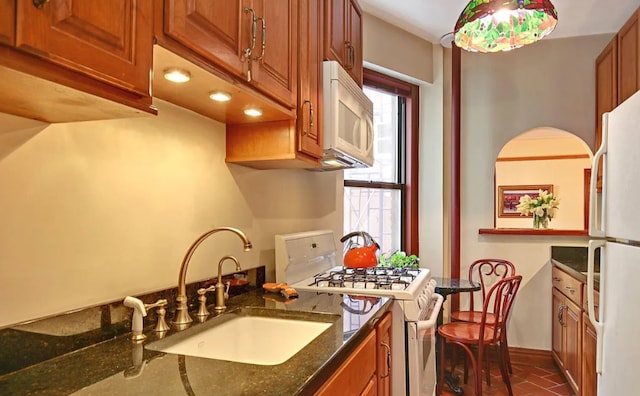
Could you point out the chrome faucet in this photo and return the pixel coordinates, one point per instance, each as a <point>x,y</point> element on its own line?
<point>182,315</point>
<point>221,294</point>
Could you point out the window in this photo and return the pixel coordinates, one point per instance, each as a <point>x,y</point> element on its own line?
<point>382,200</point>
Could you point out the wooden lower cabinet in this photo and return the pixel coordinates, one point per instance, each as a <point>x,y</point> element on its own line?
<point>567,337</point>
<point>589,384</point>
<point>383,339</point>
<point>356,376</point>
<point>573,337</point>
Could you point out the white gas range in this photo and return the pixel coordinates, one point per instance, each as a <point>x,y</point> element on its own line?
<point>310,261</point>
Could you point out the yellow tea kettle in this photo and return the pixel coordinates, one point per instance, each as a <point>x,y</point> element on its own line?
<point>357,256</point>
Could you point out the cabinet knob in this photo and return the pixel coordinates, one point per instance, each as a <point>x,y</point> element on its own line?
<point>39,3</point>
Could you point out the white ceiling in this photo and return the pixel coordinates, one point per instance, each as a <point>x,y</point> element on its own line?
<point>431,19</point>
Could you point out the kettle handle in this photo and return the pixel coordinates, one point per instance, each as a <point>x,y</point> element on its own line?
<point>352,234</point>
<point>367,239</point>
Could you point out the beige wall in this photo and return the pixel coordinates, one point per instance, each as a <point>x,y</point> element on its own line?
<point>547,84</point>
<point>396,50</point>
<point>94,211</point>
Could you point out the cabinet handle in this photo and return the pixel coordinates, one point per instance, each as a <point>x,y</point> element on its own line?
<point>254,31</point>
<point>388,348</point>
<point>571,289</point>
<point>556,279</point>
<point>349,65</point>
<point>352,53</point>
<point>307,131</point>
<point>561,315</point>
<point>39,3</point>
<point>264,38</point>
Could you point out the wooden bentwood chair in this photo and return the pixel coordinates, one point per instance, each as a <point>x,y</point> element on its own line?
<point>475,338</point>
<point>485,272</point>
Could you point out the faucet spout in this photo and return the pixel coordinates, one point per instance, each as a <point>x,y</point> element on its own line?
<point>182,315</point>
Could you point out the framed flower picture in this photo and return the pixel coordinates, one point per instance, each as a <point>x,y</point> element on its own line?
<point>509,197</point>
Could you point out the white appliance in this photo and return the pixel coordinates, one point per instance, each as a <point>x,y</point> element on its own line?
<point>308,261</point>
<point>348,121</point>
<point>614,226</point>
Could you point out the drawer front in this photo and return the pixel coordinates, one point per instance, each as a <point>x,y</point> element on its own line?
<point>568,285</point>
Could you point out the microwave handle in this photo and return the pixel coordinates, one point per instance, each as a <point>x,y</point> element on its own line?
<point>369,134</point>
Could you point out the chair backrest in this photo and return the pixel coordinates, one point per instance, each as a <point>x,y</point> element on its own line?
<point>486,272</point>
<point>499,301</point>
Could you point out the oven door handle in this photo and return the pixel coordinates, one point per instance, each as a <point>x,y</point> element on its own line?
<point>423,325</point>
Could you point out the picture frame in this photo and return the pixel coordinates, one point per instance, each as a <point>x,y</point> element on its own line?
<point>509,197</point>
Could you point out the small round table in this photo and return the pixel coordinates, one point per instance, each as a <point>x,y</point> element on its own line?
<point>445,287</point>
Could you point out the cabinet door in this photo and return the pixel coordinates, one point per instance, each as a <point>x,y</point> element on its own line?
<point>335,32</point>
<point>355,42</point>
<point>274,62</point>
<point>572,320</point>
<point>354,375</point>
<point>629,58</point>
<point>370,389</point>
<point>107,40</point>
<point>606,91</point>
<point>383,370</point>
<point>219,30</point>
<point>309,121</point>
<point>557,329</point>
<point>7,21</point>
<point>589,384</point>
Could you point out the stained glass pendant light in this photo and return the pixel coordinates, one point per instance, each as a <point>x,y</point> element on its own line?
<point>502,25</point>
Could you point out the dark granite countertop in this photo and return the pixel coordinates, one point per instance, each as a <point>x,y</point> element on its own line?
<point>573,260</point>
<point>118,366</point>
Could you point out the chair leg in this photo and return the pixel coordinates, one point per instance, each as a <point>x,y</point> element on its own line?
<point>504,371</point>
<point>506,355</point>
<point>440,382</point>
<point>488,365</point>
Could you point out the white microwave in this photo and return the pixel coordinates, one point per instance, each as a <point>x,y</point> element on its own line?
<point>348,121</point>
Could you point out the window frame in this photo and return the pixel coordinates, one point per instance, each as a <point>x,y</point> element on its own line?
<point>408,178</point>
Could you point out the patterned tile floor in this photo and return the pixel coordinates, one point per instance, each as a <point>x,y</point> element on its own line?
<point>526,380</point>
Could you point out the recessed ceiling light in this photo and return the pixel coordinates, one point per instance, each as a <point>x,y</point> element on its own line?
<point>253,112</point>
<point>220,96</point>
<point>177,75</point>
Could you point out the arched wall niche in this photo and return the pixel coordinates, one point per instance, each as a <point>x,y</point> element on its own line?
<point>544,156</point>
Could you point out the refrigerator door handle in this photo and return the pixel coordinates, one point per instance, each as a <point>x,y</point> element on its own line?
<point>594,230</point>
<point>591,303</point>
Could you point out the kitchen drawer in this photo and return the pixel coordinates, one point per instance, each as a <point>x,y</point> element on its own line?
<point>585,299</point>
<point>568,285</point>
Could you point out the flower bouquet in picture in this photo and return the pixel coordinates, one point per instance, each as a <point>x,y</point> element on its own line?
<point>543,207</point>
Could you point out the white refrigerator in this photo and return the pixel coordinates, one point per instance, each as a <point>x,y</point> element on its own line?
<point>614,227</point>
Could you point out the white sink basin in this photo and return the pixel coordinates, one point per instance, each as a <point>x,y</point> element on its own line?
<point>248,337</point>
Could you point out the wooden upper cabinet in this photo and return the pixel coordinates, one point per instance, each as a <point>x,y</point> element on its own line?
<point>629,58</point>
<point>309,121</point>
<point>335,20</point>
<point>355,42</point>
<point>108,40</point>
<point>606,91</point>
<point>7,21</point>
<point>217,30</point>
<point>274,63</point>
<point>343,35</point>
<point>254,40</point>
